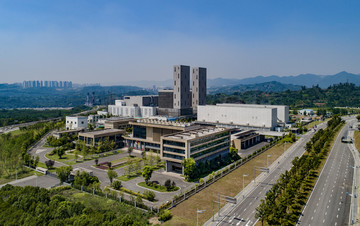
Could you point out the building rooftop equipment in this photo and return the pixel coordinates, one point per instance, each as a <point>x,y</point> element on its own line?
<point>196,133</point>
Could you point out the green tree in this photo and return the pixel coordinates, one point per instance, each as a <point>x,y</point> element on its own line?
<point>63,173</point>
<point>60,151</point>
<point>111,174</point>
<point>130,149</point>
<point>147,171</point>
<point>189,168</point>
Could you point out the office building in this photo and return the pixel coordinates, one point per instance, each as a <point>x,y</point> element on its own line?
<point>94,137</point>
<point>204,143</point>
<point>147,133</point>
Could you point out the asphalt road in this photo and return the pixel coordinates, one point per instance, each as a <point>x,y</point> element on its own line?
<point>243,213</point>
<point>329,203</point>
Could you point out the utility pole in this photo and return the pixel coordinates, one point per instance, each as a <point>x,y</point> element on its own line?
<point>244,175</point>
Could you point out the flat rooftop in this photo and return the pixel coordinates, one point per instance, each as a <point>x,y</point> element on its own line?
<point>243,106</point>
<point>119,119</point>
<point>148,121</point>
<point>196,133</point>
<point>103,132</point>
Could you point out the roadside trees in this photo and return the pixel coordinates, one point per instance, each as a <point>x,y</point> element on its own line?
<point>49,163</point>
<point>60,151</point>
<point>147,171</point>
<point>111,174</point>
<point>63,173</point>
<point>189,168</point>
<point>130,149</point>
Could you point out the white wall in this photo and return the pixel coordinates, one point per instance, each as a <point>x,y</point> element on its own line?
<point>132,111</point>
<point>282,110</point>
<point>76,122</point>
<point>254,116</point>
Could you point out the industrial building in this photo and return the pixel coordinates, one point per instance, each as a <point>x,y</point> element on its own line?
<point>238,116</point>
<point>204,143</point>
<point>135,106</point>
<point>76,122</point>
<point>94,137</point>
<point>282,110</point>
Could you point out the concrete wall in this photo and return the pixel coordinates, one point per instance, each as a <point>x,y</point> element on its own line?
<point>149,100</point>
<point>198,87</point>
<point>76,122</point>
<point>132,111</point>
<point>166,99</point>
<point>182,87</point>
<point>262,117</point>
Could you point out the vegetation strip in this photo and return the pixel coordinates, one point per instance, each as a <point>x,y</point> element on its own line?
<point>285,200</point>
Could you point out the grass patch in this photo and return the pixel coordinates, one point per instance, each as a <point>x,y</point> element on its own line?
<point>159,188</point>
<point>230,185</point>
<point>103,204</point>
<point>22,173</point>
<point>357,140</point>
<point>125,178</point>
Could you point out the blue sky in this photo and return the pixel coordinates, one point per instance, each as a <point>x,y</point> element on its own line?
<point>115,41</point>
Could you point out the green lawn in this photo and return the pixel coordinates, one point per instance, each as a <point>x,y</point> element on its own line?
<point>25,172</point>
<point>159,188</point>
<point>125,178</point>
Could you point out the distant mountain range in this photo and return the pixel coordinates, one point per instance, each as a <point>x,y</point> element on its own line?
<point>307,80</point>
<point>264,87</point>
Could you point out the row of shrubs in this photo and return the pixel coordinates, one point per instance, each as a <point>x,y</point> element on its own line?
<point>148,195</point>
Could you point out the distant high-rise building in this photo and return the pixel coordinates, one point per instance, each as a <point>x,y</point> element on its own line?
<point>54,84</point>
<point>182,87</point>
<point>198,87</point>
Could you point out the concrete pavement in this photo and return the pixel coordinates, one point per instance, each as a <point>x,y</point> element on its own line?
<point>243,213</point>
<point>329,202</point>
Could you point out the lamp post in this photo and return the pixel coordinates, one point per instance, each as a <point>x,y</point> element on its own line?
<point>244,175</point>
<point>197,215</point>
<point>267,160</point>
<point>35,180</point>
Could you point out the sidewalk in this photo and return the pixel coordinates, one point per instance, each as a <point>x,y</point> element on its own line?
<point>355,202</point>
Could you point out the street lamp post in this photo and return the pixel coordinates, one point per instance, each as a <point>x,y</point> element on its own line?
<point>267,160</point>
<point>244,175</point>
<point>35,180</point>
<point>197,215</point>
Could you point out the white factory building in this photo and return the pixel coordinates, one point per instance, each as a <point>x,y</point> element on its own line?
<point>76,122</point>
<point>139,107</point>
<point>260,117</point>
<point>282,110</point>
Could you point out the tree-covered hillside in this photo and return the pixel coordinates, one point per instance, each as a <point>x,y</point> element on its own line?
<point>39,206</point>
<point>339,95</point>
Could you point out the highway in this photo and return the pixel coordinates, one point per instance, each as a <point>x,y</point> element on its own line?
<point>243,213</point>
<point>329,202</point>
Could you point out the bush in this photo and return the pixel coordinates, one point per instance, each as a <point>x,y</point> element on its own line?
<point>116,184</point>
<point>149,195</point>
<point>165,215</point>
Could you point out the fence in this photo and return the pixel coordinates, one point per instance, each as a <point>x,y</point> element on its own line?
<point>218,174</point>
<point>114,196</point>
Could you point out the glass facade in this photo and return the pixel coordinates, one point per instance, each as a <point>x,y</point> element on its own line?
<point>181,151</point>
<point>139,132</point>
<point>173,156</point>
<point>174,143</point>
